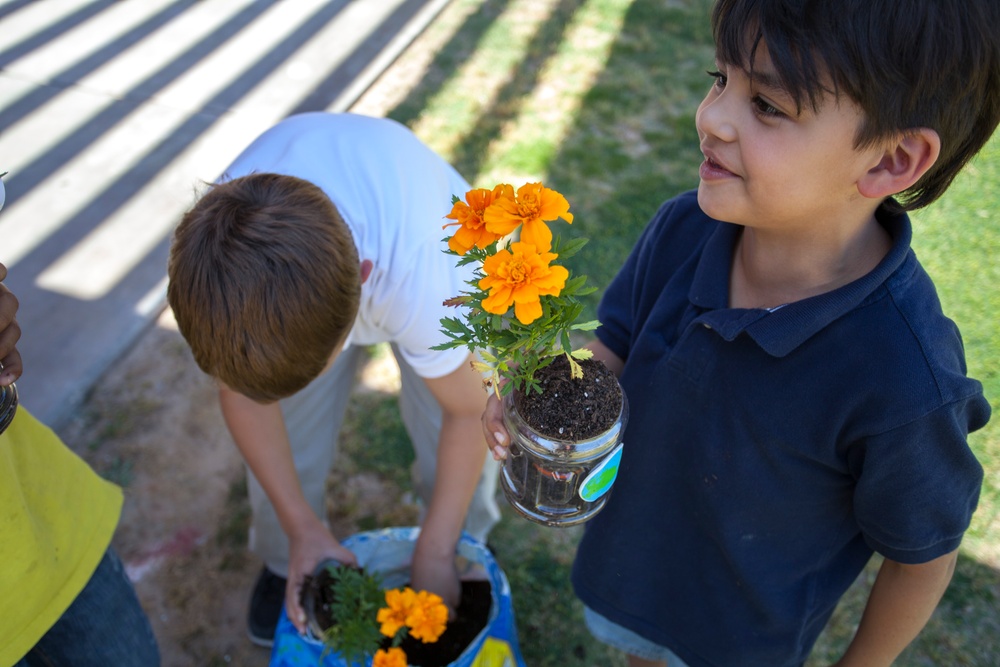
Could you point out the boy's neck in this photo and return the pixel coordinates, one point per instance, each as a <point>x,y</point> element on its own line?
<point>771,269</point>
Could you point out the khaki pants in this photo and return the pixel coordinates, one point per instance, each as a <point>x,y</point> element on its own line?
<point>313,418</point>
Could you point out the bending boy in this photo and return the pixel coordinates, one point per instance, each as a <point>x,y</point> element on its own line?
<point>798,400</point>
<point>324,237</point>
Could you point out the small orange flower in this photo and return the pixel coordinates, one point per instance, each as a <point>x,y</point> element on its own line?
<point>393,657</point>
<point>428,617</point>
<point>399,603</point>
<point>531,208</point>
<point>469,214</point>
<point>520,276</point>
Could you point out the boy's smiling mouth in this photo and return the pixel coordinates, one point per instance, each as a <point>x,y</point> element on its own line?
<point>712,169</point>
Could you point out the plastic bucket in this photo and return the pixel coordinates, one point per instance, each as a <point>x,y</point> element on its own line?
<point>389,552</point>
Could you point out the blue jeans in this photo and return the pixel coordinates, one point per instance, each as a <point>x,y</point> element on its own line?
<point>104,626</point>
<point>627,641</point>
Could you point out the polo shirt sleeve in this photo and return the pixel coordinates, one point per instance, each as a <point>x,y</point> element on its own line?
<point>615,310</point>
<point>674,235</point>
<point>618,309</point>
<point>919,483</point>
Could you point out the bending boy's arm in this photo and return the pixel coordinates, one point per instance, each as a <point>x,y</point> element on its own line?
<point>901,602</point>
<point>259,433</point>
<point>461,454</point>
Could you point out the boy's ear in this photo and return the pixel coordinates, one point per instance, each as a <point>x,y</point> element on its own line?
<point>366,269</point>
<point>904,162</point>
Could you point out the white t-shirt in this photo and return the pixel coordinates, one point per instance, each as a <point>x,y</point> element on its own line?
<point>393,192</point>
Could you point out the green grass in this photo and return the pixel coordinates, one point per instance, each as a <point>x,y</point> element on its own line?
<point>597,99</point>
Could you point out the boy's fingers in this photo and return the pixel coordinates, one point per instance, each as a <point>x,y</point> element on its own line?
<point>8,306</point>
<point>12,368</point>
<point>10,333</point>
<point>295,612</point>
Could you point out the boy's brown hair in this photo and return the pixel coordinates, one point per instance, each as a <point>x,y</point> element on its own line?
<point>265,282</point>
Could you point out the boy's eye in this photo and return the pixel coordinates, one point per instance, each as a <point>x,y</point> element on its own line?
<point>720,78</point>
<point>763,108</point>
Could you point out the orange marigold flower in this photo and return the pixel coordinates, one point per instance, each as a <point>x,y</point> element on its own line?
<point>469,214</point>
<point>520,276</point>
<point>531,208</point>
<point>393,657</point>
<point>428,617</point>
<point>399,605</point>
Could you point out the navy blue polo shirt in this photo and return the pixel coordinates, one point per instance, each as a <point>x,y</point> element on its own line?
<point>768,453</point>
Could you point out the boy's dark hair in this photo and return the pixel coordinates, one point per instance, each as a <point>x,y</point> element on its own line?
<point>264,281</point>
<point>906,63</point>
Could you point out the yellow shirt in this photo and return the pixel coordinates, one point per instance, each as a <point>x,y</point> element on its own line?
<point>56,521</point>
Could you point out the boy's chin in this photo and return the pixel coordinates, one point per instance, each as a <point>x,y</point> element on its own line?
<point>710,205</point>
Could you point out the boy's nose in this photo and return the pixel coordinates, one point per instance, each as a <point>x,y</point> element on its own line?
<point>714,118</point>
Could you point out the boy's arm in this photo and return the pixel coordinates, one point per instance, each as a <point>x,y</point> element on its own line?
<point>259,433</point>
<point>460,457</point>
<point>899,606</point>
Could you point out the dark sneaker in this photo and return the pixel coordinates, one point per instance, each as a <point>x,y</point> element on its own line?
<point>265,607</point>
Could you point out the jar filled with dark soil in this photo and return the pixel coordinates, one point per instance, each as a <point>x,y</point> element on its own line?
<point>565,444</point>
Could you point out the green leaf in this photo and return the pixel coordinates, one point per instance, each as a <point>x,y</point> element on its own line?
<point>572,247</point>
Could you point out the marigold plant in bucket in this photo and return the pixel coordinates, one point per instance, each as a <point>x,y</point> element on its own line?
<point>365,622</point>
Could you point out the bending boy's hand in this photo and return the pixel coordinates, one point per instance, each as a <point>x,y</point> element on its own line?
<point>305,551</point>
<point>10,333</point>
<point>497,437</point>
<point>439,576</point>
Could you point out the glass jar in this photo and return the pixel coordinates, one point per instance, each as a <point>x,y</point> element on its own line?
<point>8,405</point>
<point>559,482</point>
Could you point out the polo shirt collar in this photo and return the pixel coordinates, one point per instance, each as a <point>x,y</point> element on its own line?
<point>781,330</point>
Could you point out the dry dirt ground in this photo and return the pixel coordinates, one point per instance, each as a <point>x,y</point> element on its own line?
<point>153,426</point>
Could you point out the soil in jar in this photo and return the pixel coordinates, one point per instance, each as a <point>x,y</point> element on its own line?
<point>572,408</point>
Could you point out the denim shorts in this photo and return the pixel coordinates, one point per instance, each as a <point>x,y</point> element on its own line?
<point>104,626</point>
<point>625,640</point>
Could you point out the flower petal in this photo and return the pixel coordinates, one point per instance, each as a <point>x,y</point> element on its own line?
<point>393,657</point>
<point>462,240</point>
<point>554,205</point>
<point>502,217</point>
<point>498,302</point>
<point>527,312</point>
<point>538,234</point>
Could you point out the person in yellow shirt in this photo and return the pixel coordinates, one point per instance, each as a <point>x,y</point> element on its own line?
<point>64,597</point>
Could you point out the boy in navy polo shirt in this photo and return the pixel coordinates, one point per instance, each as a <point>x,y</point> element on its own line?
<point>798,399</point>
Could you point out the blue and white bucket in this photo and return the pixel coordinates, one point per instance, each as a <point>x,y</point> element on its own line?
<point>389,552</point>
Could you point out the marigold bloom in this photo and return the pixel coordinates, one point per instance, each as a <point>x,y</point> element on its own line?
<point>399,605</point>
<point>427,618</point>
<point>531,208</point>
<point>469,214</point>
<point>520,276</point>
<point>393,657</point>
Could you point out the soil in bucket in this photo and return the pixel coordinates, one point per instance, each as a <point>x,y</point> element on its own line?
<point>471,617</point>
